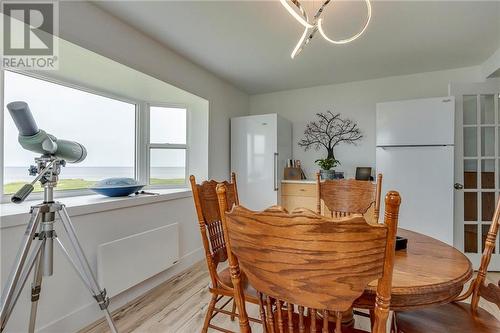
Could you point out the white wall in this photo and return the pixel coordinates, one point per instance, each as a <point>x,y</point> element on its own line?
<point>355,100</point>
<point>90,27</point>
<point>491,67</point>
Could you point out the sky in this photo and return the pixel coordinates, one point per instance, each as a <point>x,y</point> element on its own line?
<point>105,126</point>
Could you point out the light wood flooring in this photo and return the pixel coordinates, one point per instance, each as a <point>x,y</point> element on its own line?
<point>179,306</point>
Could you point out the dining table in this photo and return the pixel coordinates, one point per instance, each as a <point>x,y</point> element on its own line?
<point>428,272</point>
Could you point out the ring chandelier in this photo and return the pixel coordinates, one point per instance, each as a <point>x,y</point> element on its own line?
<point>316,24</point>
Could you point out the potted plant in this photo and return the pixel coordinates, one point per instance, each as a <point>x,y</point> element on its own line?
<point>326,166</point>
<point>327,132</point>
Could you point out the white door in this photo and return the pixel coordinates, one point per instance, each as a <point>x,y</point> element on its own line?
<point>253,158</point>
<point>423,175</point>
<point>477,166</point>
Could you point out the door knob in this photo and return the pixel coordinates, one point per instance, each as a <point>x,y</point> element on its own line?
<point>458,186</point>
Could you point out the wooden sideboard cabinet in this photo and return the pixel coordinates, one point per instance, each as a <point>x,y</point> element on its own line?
<point>302,194</point>
<point>298,194</point>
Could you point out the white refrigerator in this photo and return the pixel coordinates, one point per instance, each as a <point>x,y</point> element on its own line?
<point>260,147</point>
<point>415,154</point>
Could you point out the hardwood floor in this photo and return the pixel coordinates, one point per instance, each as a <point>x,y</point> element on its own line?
<point>179,306</point>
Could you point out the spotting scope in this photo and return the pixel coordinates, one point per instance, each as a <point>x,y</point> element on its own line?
<point>36,140</point>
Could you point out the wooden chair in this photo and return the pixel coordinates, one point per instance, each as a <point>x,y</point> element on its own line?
<point>307,267</point>
<point>460,317</point>
<point>212,235</point>
<point>344,197</point>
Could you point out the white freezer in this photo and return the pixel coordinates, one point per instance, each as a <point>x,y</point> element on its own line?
<point>260,146</point>
<point>428,121</point>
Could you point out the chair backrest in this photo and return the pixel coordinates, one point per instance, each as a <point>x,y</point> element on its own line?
<point>344,197</point>
<point>490,292</point>
<point>307,261</point>
<point>209,219</point>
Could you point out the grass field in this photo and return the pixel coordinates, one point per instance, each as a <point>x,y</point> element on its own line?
<point>172,181</point>
<point>78,184</point>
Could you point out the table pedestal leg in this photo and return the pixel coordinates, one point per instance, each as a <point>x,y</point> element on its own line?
<point>347,318</point>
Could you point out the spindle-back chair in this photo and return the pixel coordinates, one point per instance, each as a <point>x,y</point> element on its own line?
<point>339,198</point>
<point>307,267</point>
<point>214,244</point>
<point>458,316</point>
<point>344,197</point>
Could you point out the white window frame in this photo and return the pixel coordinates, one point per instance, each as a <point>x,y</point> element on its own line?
<point>150,145</point>
<point>141,148</point>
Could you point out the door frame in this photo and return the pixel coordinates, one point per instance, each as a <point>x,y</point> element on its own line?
<point>458,90</point>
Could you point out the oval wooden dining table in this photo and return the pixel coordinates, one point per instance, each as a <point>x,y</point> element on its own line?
<point>428,272</point>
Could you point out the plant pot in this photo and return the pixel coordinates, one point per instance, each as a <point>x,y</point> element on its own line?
<point>327,174</point>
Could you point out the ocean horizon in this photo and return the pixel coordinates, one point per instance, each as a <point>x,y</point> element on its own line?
<point>20,173</point>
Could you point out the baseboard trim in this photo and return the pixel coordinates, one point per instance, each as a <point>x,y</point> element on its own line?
<point>88,314</point>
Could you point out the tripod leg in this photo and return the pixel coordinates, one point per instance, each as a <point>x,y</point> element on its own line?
<point>36,288</point>
<point>23,277</point>
<point>8,292</point>
<point>99,295</point>
<point>78,271</point>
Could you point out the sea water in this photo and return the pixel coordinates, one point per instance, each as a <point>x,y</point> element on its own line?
<point>20,174</point>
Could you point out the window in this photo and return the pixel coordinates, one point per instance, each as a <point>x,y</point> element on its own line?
<point>105,126</point>
<point>167,145</point>
<point>123,138</point>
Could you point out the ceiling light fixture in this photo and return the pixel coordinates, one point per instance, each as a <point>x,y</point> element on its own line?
<point>317,24</point>
<point>302,19</point>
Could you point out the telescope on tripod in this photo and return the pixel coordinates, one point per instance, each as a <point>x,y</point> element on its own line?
<point>36,251</point>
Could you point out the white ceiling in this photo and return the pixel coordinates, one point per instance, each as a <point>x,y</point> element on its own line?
<point>248,43</point>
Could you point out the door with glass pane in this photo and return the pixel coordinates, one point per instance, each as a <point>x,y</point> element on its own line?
<point>477,166</point>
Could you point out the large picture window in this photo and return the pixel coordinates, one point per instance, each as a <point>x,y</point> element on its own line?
<point>123,138</point>
<point>167,145</point>
<point>105,126</point>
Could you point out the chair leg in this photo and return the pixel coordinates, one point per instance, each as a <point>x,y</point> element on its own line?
<point>393,323</point>
<point>210,311</point>
<point>233,311</point>
<point>372,318</point>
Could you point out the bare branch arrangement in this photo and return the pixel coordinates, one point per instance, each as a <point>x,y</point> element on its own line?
<point>329,131</point>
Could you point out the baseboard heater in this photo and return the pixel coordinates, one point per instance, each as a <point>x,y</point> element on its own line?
<point>125,262</point>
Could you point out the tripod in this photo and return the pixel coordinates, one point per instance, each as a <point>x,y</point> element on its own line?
<point>39,254</point>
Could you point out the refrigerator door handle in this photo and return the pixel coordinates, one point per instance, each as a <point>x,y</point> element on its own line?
<point>276,171</point>
<point>411,146</point>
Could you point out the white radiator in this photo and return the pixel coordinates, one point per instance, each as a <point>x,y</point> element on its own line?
<point>126,262</point>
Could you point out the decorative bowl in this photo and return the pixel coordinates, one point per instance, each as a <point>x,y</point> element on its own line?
<point>116,187</point>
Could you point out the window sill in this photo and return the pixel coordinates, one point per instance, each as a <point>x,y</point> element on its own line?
<point>16,214</point>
